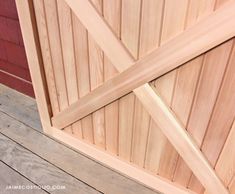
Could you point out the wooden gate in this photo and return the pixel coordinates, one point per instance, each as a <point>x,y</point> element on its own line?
<point>146,87</point>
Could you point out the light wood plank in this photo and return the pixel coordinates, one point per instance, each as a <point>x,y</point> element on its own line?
<point>56,52</point>
<point>31,42</point>
<point>130,21</point>
<point>96,64</point>
<point>131,39</point>
<point>148,40</point>
<point>46,54</point>
<point>126,126</point>
<point>225,167</point>
<point>11,178</point>
<point>140,134</point>
<point>177,11</point>
<point>67,46</point>
<point>152,11</point>
<point>207,95</point>
<point>112,14</point>
<point>221,121</point>
<point>185,87</point>
<point>210,32</point>
<point>196,10</point>
<point>83,75</point>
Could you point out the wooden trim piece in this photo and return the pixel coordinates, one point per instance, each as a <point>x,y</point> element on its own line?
<point>150,180</point>
<point>31,42</point>
<point>215,29</point>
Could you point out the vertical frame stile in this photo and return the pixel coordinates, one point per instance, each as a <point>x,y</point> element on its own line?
<point>31,41</point>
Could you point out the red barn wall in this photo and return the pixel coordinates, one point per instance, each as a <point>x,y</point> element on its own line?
<point>14,71</point>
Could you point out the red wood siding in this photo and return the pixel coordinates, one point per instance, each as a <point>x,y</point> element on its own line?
<point>14,71</point>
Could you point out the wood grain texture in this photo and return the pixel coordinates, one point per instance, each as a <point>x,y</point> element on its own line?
<point>46,54</point>
<point>139,74</point>
<point>130,21</point>
<point>112,14</point>
<point>23,108</point>
<point>68,55</point>
<point>12,177</point>
<point>196,11</point>
<point>208,86</point>
<point>126,125</point>
<point>35,168</point>
<point>148,40</point>
<point>225,166</point>
<point>152,181</point>
<point>56,52</point>
<point>177,11</point>
<point>83,74</point>
<point>221,121</point>
<point>31,42</point>
<point>96,64</point>
<point>181,140</point>
<point>72,162</point>
<point>141,117</point>
<point>89,171</point>
<point>185,87</point>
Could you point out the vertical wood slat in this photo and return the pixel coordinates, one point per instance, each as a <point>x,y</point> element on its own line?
<point>174,10</point>
<point>185,85</point>
<point>83,74</point>
<point>209,87</point>
<point>56,53</point>
<point>130,21</point>
<point>195,10</point>
<point>96,64</point>
<point>187,80</point>
<point>205,9</point>
<point>221,121</point>
<point>112,14</point>
<point>68,55</point>
<point>149,39</point>
<point>225,167</point>
<point>46,54</point>
<point>141,117</point>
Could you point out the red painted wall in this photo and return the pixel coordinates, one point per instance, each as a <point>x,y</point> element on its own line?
<point>14,71</point>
